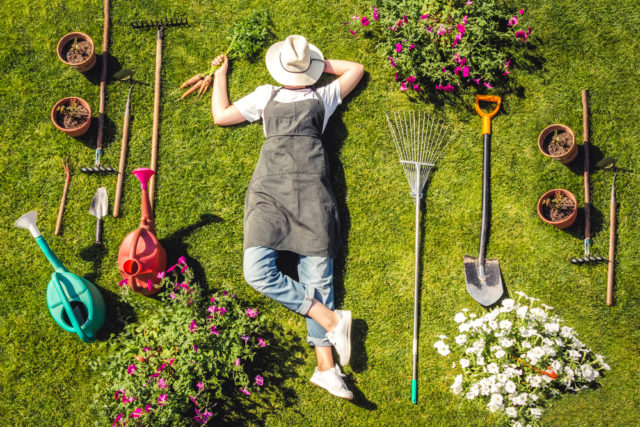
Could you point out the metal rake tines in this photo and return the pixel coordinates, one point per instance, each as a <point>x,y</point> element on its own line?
<point>588,259</point>
<point>98,170</point>
<point>156,23</point>
<point>420,140</point>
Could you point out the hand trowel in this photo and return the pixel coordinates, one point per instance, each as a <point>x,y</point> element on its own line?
<point>98,208</point>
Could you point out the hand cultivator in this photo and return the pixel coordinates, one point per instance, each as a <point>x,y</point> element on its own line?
<point>420,140</point>
<point>160,26</point>
<point>124,75</point>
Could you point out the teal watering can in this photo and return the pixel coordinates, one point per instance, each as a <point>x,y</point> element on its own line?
<point>74,302</point>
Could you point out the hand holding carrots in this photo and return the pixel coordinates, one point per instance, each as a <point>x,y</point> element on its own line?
<point>222,62</point>
<point>202,81</point>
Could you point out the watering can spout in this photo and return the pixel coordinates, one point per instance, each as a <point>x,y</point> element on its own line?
<point>143,175</point>
<point>28,222</point>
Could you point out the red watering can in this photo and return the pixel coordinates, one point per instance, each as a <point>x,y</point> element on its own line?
<point>141,256</point>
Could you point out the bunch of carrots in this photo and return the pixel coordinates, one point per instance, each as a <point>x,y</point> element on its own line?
<point>248,36</point>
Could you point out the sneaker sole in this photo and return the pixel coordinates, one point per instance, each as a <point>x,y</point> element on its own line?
<point>330,392</point>
<point>348,355</point>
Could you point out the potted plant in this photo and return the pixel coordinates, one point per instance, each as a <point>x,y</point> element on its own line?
<point>77,50</point>
<point>558,142</point>
<point>558,207</point>
<point>72,115</point>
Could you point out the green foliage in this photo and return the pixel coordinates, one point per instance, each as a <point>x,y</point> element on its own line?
<point>445,44</point>
<point>249,35</point>
<point>182,359</point>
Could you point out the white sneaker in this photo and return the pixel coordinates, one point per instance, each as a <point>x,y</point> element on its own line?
<point>340,337</point>
<point>332,381</point>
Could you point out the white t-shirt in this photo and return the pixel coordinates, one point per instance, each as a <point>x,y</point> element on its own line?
<point>252,105</point>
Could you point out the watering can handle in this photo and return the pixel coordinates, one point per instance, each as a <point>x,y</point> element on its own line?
<point>486,117</point>
<point>69,310</point>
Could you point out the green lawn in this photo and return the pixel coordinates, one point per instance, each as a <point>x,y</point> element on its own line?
<point>203,172</point>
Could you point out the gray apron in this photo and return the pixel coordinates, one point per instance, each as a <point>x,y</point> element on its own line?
<point>290,204</point>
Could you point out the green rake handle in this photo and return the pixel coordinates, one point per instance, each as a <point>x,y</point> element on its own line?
<point>414,391</point>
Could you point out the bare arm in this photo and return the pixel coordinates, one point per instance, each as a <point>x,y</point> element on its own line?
<point>223,113</point>
<point>349,74</point>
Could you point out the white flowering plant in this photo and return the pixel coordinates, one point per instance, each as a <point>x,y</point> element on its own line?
<point>516,356</point>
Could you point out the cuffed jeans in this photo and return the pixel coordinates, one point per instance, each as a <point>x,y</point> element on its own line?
<point>315,276</point>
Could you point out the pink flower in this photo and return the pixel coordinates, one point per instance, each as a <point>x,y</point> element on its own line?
<point>162,383</point>
<point>430,29</point>
<point>128,399</point>
<point>118,418</point>
<point>410,79</point>
<point>212,309</point>
<point>245,338</point>
<point>156,375</point>
<point>146,348</point>
<point>507,64</point>
<point>395,77</point>
<point>161,367</point>
<point>261,342</point>
<point>355,17</point>
<point>193,326</point>
<point>353,32</point>
<point>136,413</point>
<point>412,46</point>
<point>469,3</point>
<point>442,31</point>
<point>392,61</point>
<point>200,386</point>
<point>375,14</point>
<point>161,275</point>
<point>252,312</point>
<point>465,19</point>
<point>193,400</point>
<point>182,260</point>
<point>456,70</point>
<point>365,21</point>
<point>487,84</point>
<point>149,284</point>
<point>173,296</point>
<point>447,88</point>
<point>398,47</point>
<point>213,299</point>
<point>162,399</point>
<point>184,268</point>
<point>259,380</point>
<point>523,35</point>
<point>170,269</point>
<point>247,392</point>
<point>171,361</point>
<point>222,311</point>
<point>194,347</point>
<point>147,408</point>
<point>521,12</point>
<point>417,88</point>
<point>122,282</point>
<point>393,28</point>
<point>462,29</point>
<point>238,362</point>
<point>457,39</point>
<point>131,369</point>
<point>444,69</point>
<point>477,81</point>
<point>513,21</point>
<point>214,330</point>
<point>465,71</point>
<point>403,87</point>
<point>405,19</point>
<point>425,16</point>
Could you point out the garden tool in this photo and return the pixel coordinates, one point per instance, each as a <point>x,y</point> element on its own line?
<point>74,302</point>
<point>160,26</point>
<point>141,256</point>
<point>483,276</point>
<point>97,167</point>
<point>63,200</point>
<point>420,140</point>
<point>123,147</point>
<point>98,208</point>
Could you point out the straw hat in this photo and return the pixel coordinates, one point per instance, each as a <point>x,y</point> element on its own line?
<point>295,62</point>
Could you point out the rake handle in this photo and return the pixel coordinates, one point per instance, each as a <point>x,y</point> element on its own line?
<point>103,81</point>
<point>612,243</point>
<point>156,113</point>
<point>587,143</point>
<point>63,200</point>
<point>123,156</point>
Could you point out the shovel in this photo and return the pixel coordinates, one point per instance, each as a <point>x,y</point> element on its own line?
<point>98,208</point>
<point>483,276</point>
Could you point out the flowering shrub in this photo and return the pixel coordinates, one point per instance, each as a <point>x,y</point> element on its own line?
<point>516,356</point>
<point>181,360</point>
<point>444,44</point>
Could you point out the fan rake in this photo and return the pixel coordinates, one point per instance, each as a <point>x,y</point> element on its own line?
<point>420,140</point>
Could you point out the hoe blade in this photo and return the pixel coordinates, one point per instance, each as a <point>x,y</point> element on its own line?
<point>486,290</point>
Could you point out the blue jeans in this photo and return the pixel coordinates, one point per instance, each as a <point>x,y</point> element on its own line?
<point>315,276</point>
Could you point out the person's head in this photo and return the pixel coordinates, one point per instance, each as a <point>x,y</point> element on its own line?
<point>295,62</point>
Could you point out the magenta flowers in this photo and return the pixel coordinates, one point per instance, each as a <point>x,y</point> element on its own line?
<point>131,369</point>
<point>252,312</point>
<point>259,380</point>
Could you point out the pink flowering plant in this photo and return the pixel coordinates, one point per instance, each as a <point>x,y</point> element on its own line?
<point>183,361</point>
<point>444,45</point>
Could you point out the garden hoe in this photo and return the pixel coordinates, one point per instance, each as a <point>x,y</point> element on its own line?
<point>74,302</point>
<point>483,276</point>
<point>98,168</point>
<point>420,140</point>
<point>160,26</point>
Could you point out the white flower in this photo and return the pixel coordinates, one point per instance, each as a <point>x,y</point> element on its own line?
<point>552,327</point>
<point>461,339</point>
<point>508,303</point>
<point>492,314</point>
<point>470,395</point>
<point>550,351</point>
<point>520,400</point>
<point>464,363</point>
<point>506,342</point>
<point>522,311</point>
<point>526,344</point>
<point>460,317</point>
<point>479,360</point>
<point>511,412</point>
<point>442,337</point>
<point>496,403</point>
<point>493,368</point>
<point>472,315</point>
<point>575,355</point>
<point>534,380</point>
<point>589,373</point>
<point>539,313</point>
<point>500,354</point>
<point>556,366</point>
<point>535,412</point>
<point>456,387</point>
<point>601,360</point>
<point>464,327</point>
<point>517,424</point>
<point>566,332</point>
<point>505,324</point>
<point>570,373</point>
<point>510,387</point>
<point>443,348</point>
<point>485,387</point>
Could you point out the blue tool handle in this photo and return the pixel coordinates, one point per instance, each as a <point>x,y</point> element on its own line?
<point>414,391</point>
<point>53,259</point>
<point>69,310</point>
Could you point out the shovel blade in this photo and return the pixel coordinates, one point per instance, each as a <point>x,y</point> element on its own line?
<point>486,290</point>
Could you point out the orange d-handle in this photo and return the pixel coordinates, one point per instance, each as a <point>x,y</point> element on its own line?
<point>486,117</point>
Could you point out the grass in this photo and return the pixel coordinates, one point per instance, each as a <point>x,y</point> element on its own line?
<point>204,171</point>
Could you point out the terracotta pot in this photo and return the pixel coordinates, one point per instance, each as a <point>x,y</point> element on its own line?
<point>74,132</point>
<point>564,158</point>
<point>566,222</point>
<point>87,64</point>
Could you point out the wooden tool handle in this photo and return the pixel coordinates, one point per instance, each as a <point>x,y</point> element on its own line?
<point>103,75</point>
<point>612,245</point>
<point>156,115</point>
<point>61,210</point>
<point>587,196</point>
<point>123,155</point>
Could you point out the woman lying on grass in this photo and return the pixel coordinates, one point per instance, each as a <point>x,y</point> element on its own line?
<point>290,204</point>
